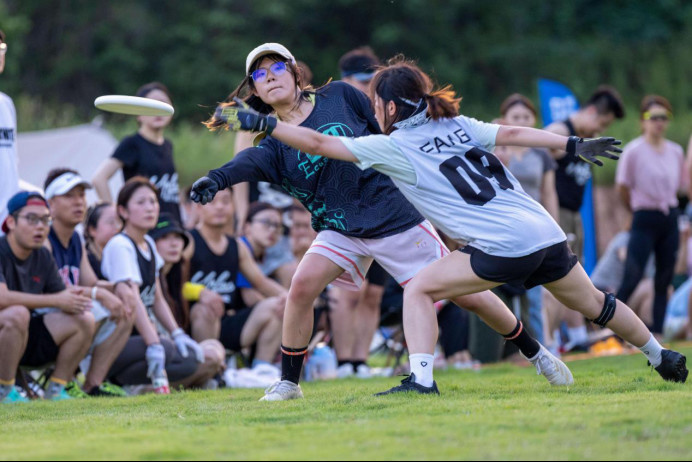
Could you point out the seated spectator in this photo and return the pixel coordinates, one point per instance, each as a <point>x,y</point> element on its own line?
<point>29,281</point>
<point>159,350</point>
<point>215,262</point>
<point>66,194</point>
<point>171,241</point>
<point>677,325</point>
<point>301,232</point>
<point>101,224</point>
<point>263,231</point>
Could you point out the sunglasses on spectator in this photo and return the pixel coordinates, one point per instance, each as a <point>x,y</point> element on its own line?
<point>3,48</point>
<point>271,225</point>
<point>260,75</point>
<point>657,117</point>
<point>34,220</point>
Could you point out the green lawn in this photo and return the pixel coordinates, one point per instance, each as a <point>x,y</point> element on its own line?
<point>618,409</point>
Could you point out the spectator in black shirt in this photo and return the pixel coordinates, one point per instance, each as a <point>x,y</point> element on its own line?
<point>146,153</point>
<point>30,282</point>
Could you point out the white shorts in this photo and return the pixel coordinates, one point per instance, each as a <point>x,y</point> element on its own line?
<point>402,255</point>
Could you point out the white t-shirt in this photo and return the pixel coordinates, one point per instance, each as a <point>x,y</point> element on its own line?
<point>446,170</point>
<point>9,175</point>
<point>119,261</point>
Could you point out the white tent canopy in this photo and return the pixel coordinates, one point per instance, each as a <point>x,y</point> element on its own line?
<point>82,148</point>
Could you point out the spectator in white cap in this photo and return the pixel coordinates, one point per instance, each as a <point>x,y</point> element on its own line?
<point>66,195</point>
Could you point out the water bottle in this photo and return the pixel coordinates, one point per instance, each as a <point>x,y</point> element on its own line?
<point>160,383</point>
<point>322,364</point>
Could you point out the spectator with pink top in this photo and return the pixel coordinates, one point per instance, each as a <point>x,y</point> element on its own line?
<point>649,175</point>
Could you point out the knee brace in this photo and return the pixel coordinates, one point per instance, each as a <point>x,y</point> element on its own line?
<point>608,311</point>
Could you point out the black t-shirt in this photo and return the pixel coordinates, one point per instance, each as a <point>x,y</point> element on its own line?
<point>340,196</point>
<point>36,275</point>
<point>144,158</point>
<point>571,177</point>
<point>217,273</point>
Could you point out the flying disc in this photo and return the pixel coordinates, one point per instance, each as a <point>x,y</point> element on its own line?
<point>133,105</point>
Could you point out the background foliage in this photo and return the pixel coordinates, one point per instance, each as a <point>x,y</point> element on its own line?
<point>64,53</point>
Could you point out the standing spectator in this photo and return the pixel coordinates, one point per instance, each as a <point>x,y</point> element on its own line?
<point>358,67</point>
<point>29,282</point>
<point>356,314</point>
<point>159,347</point>
<point>66,195</point>
<point>9,176</point>
<point>146,153</point>
<point>535,170</point>
<point>571,176</point>
<point>101,224</point>
<point>649,176</point>
<point>220,311</point>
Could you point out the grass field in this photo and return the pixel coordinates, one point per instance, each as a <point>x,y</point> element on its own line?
<point>617,409</point>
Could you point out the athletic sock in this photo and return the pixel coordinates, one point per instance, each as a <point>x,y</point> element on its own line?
<point>528,345</point>
<point>653,351</point>
<point>55,387</point>
<point>422,368</point>
<point>357,363</point>
<point>344,361</point>
<point>292,363</point>
<point>5,388</point>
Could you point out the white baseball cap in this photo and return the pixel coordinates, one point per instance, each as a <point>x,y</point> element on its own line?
<point>267,49</point>
<point>64,184</point>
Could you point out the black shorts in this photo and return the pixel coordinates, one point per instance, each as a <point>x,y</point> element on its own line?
<point>232,328</point>
<point>541,267</point>
<point>41,349</point>
<point>377,275</point>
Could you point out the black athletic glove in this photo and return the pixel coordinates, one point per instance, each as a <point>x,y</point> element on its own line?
<point>204,190</point>
<point>588,149</point>
<point>243,117</point>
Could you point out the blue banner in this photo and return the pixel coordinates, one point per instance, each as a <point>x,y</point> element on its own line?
<point>557,102</point>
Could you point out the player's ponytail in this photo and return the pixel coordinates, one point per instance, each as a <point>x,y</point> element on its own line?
<point>404,83</point>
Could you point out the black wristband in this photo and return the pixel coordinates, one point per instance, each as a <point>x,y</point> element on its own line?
<point>271,124</point>
<point>572,145</point>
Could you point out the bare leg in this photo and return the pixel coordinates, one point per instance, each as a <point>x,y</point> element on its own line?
<point>313,274</point>
<point>367,318</point>
<point>105,354</point>
<point>264,328</point>
<point>73,334</point>
<point>206,324</point>
<point>449,278</point>
<point>577,292</point>
<point>14,334</point>
<point>342,315</point>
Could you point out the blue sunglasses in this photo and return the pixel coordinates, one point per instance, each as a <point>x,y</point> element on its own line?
<point>260,75</point>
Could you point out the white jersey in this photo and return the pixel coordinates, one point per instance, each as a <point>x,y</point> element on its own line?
<point>9,175</point>
<point>446,170</point>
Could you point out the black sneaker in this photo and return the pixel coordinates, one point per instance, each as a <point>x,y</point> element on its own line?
<point>672,367</point>
<point>409,385</point>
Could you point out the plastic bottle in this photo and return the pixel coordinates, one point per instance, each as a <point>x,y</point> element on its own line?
<point>160,383</point>
<point>322,364</point>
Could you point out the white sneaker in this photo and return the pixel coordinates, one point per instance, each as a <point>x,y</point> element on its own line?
<point>282,391</point>
<point>363,371</point>
<point>551,367</point>
<point>345,371</point>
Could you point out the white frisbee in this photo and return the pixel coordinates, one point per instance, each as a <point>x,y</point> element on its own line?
<point>133,105</point>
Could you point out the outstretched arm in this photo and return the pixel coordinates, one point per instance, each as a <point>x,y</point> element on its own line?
<point>586,149</point>
<point>312,142</point>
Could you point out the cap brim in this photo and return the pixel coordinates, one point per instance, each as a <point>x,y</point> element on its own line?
<point>69,186</point>
<point>264,53</point>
